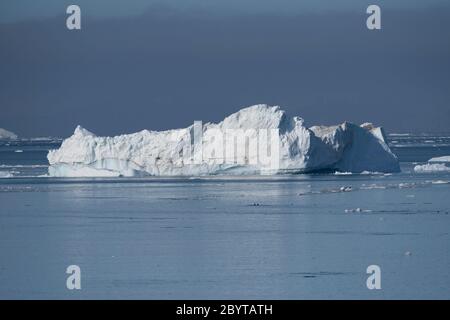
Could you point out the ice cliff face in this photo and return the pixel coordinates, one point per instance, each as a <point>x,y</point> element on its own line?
<point>7,135</point>
<point>256,140</point>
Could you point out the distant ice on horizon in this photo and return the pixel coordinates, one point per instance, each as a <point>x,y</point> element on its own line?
<point>440,159</point>
<point>437,164</point>
<point>7,135</point>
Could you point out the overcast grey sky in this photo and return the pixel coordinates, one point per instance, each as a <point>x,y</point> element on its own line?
<point>141,64</point>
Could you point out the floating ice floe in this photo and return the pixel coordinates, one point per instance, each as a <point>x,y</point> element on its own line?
<point>374,186</point>
<point>357,210</point>
<point>440,182</point>
<point>438,164</point>
<point>431,167</point>
<point>345,189</point>
<point>5,174</point>
<point>256,140</point>
<point>440,159</point>
<point>365,172</point>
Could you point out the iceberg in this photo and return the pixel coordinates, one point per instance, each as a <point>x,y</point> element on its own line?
<point>438,164</point>
<point>256,140</point>
<point>7,135</point>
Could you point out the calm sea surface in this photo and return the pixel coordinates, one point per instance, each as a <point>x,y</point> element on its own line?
<point>287,237</point>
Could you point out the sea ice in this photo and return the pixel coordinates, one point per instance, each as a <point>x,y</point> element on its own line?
<point>431,167</point>
<point>293,148</point>
<point>439,182</point>
<point>358,210</point>
<point>440,159</point>
<point>5,174</point>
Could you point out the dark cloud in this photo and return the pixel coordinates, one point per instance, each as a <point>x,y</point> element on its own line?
<point>163,70</point>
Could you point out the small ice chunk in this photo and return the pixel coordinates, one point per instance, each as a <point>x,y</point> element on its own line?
<point>358,210</point>
<point>439,182</point>
<point>440,159</point>
<point>431,167</point>
<point>5,174</point>
<point>338,173</point>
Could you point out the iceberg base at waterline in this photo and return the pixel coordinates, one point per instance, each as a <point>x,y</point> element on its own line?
<point>257,140</point>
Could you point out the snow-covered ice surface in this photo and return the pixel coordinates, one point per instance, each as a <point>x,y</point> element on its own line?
<point>346,147</point>
<point>239,237</point>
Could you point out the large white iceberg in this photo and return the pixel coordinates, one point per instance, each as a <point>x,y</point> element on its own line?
<point>265,140</point>
<point>7,135</point>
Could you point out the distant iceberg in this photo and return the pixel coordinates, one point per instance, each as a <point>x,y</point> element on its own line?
<point>7,135</point>
<point>431,167</point>
<point>443,159</point>
<point>256,140</point>
<point>438,164</point>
